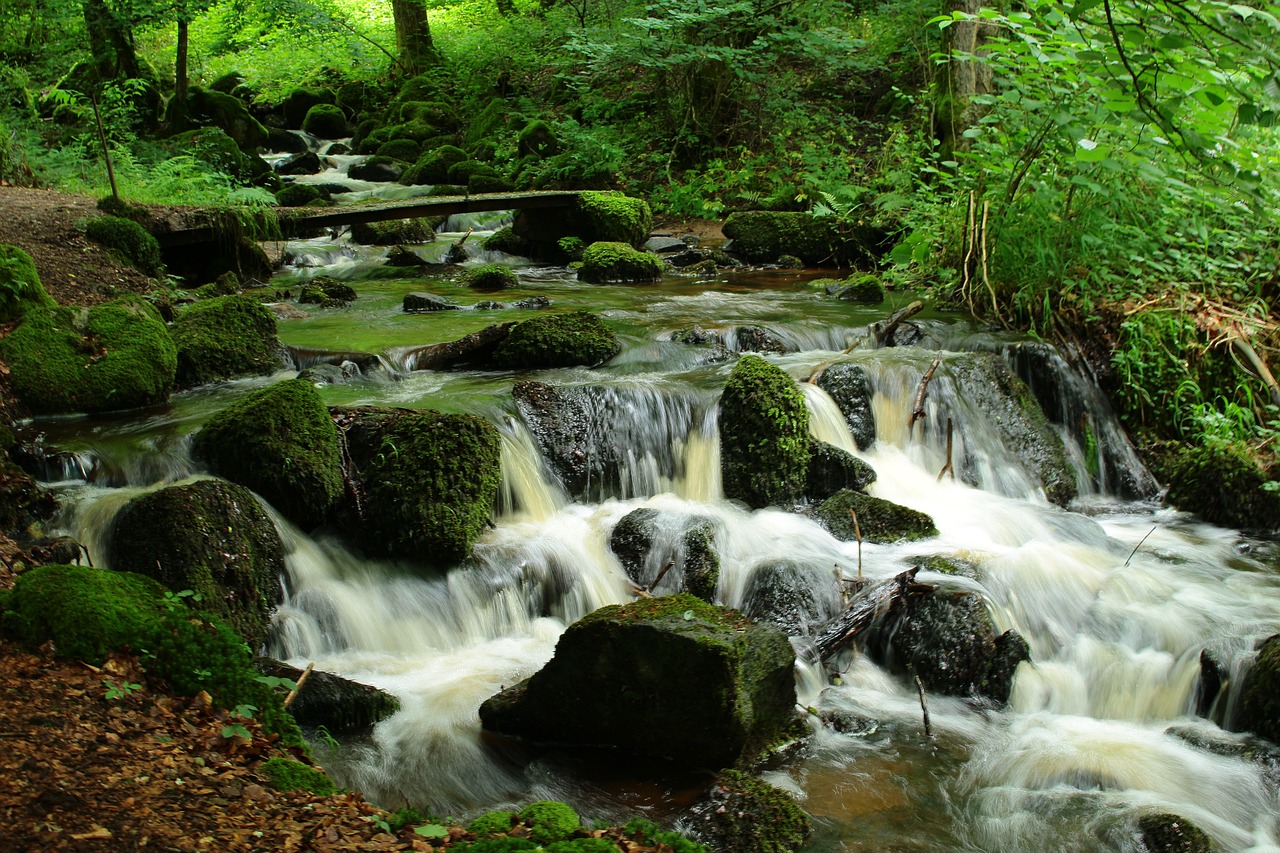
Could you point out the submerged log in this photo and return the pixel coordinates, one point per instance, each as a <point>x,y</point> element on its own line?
<point>475,346</point>
<point>883,331</point>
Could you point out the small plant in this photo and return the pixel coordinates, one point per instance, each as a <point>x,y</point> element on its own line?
<point>120,689</point>
<point>177,600</point>
<point>238,729</point>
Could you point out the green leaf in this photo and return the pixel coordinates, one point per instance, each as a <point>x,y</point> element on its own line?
<point>431,830</point>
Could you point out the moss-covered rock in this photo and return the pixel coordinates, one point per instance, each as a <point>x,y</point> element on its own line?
<point>326,292</point>
<point>428,481</point>
<point>99,359</point>
<point>281,443</point>
<point>433,166</point>
<point>285,774</point>
<point>557,340</point>
<point>130,241</point>
<point>297,195</point>
<point>224,285</point>
<point>538,139</point>
<point>1223,485</point>
<point>461,173</point>
<point>505,240</point>
<point>394,232</point>
<point>214,146</point>
<point>20,286</point>
<point>481,182</point>
<point>1259,708</point>
<point>88,613</point>
<point>605,262</point>
<point>324,699</point>
<point>832,469</point>
<point>850,388</point>
<point>225,338</point>
<point>878,520</point>
<point>866,288</point>
<point>761,237</point>
<point>797,597</point>
<point>678,546</point>
<point>1169,833</point>
<point>764,435</point>
<point>549,821</point>
<point>227,113</point>
<point>22,502</point>
<point>378,169</point>
<point>598,217</point>
<point>400,149</point>
<point>490,277</point>
<point>211,537</point>
<point>745,814</point>
<point>671,677</point>
<point>492,823</point>
<point>326,121</point>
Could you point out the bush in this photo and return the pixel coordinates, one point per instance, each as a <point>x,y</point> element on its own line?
<point>130,240</point>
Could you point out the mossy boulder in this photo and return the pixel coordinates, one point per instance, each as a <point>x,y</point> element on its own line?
<point>227,113</point>
<point>211,537</point>
<point>1168,833</point>
<point>865,288</point>
<point>428,481</point>
<point>433,166</point>
<point>324,699</point>
<point>505,240</point>
<point>678,546</point>
<point>225,338</point>
<point>492,823</point>
<point>741,813</point>
<point>606,262</point>
<point>557,340</point>
<point>481,182</point>
<point>598,217</point>
<point>129,240</point>
<point>99,359</point>
<point>538,139</point>
<point>1223,485</point>
<point>23,503</point>
<point>326,292</point>
<point>281,443</point>
<point>761,237</point>
<point>394,232</point>
<point>670,677</point>
<point>764,435</point>
<point>879,520</point>
<point>297,195</point>
<point>832,469</point>
<point>796,596</point>
<point>549,821</point>
<point>400,149</point>
<point>20,286</point>
<point>850,387</point>
<point>214,146</point>
<point>490,277</point>
<point>327,121</point>
<point>1259,708</point>
<point>286,774</point>
<point>378,169</point>
<point>298,104</point>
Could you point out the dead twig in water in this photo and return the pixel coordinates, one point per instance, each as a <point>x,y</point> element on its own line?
<point>662,574</point>
<point>917,413</point>
<point>924,709</point>
<point>947,469</point>
<point>857,531</point>
<point>302,679</point>
<point>1139,545</point>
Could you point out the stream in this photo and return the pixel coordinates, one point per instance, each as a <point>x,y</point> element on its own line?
<point>1116,596</point>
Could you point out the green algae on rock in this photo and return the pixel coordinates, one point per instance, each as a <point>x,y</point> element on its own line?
<point>879,520</point>
<point>606,262</point>
<point>764,435</point>
<point>557,340</point>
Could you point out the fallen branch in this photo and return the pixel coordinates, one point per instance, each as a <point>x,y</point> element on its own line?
<point>857,531</point>
<point>924,709</point>
<point>947,469</point>
<point>477,345</point>
<point>293,694</point>
<point>917,413</point>
<point>1139,545</point>
<point>862,613</point>
<point>662,574</point>
<point>884,330</point>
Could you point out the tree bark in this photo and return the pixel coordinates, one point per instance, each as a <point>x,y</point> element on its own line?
<point>962,78</point>
<point>413,35</point>
<point>178,112</point>
<point>110,42</point>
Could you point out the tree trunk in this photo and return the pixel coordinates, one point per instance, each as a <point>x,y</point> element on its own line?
<point>413,35</point>
<point>962,78</point>
<point>178,113</point>
<point>110,42</point>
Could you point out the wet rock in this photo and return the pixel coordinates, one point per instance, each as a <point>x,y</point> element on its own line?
<point>878,520</point>
<point>402,256</point>
<point>532,303</point>
<point>757,339</point>
<point>665,245</point>
<point>670,677</point>
<point>610,262</point>
<point>394,232</point>
<point>340,705</point>
<point>1011,649</point>
<point>330,374</point>
<point>946,565</point>
<point>490,277</point>
<point>1169,833</point>
<point>211,537</point>
<point>648,540</point>
<point>689,257</point>
<point>426,482</point>
<point>761,237</point>
<point>866,289</point>
<point>832,469</point>
<point>561,425</point>
<point>764,435</point>
<point>1259,708</point>
<point>1223,486</point>
<point>281,443</point>
<point>557,340</point>
<point>378,169</point>
<point>797,597</point>
<point>1264,754</point>
<point>745,814</point>
<point>697,337</point>
<point>598,217</point>
<point>225,338</point>
<point>418,302</point>
<point>302,163</point>
<point>327,293</point>
<point>1214,678</point>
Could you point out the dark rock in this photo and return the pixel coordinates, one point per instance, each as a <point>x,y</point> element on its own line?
<point>745,814</point>
<point>1222,485</point>
<point>340,705</point>
<point>764,435</point>
<point>670,677</point>
<point>665,245</point>
<point>394,232</point>
<point>797,597</point>
<point>832,469</point>
<point>327,293</point>
<point>646,540</point>
<point>420,302</point>
<point>849,387</point>
<point>697,336</point>
<point>757,339</point>
<point>1169,833</point>
<point>533,302</point>
<point>211,537</point>
<point>304,163</point>
<point>1011,649</point>
<point>689,257</point>
<point>399,256</point>
<point>866,289</point>
<point>761,237</point>
<point>878,520</point>
<point>1213,679</point>
<point>377,169</point>
<point>1259,708</point>
<point>560,423</point>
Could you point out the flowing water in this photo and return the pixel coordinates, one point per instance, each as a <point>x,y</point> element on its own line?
<point>1101,726</point>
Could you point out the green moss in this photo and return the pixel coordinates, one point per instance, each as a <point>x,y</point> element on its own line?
<point>745,814</point>
<point>132,242</point>
<point>549,821</point>
<point>461,173</point>
<point>104,358</point>
<point>327,292</point>
<point>429,482</point>
<point>764,435</point>
<point>605,262</point>
<point>285,774</point>
<point>228,114</point>
<point>761,237</point>
<point>225,338</point>
<point>537,138</point>
<point>648,834</point>
<point>492,823</point>
<point>490,277</point>
<point>878,520</point>
<point>326,121</point>
<point>281,443</point>
<point>400,149</point>
<point>572,248</point>
<point>866,288</point>
<point>212,145</point>
<point>481,182</point>
<point>433,167</point>
<point>495,844</point>
<point>211,537</point>
<point>614,217</point>
<point>790,262</point>
<point>505,240</point>
<point>583,845</point>
<point>1222,485</point>
<point>1259,710</point>
<point>488,121</point>
<point>20,286</point>
<point>557,340</point>
<point>297,195</point>
<point>701,562</point>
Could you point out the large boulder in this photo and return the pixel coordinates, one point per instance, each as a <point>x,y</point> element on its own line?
<point>832,469</point>
<point>557,340</point>
<point>670,677</point>
<point>427,482</point>
<point>560,423</point>
<point>20,286</point>
<point>98,359</point>
<point>745,814</point>
<point>879,520</point>
<point>1222,485</point>
<point>394,232</point>
<point>850,388</point>
<point>1259,708</point>
<point>598,217</point>
<point>212,538</point>
<point>606,262</point>
<point>796,596</point>
<point>225,338</point>
<point>764,435</point>
<point>227,113</point>
<point>677,546</point>
<point>280,442</point>
<point>324,699</point>
<point>762,237</point>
